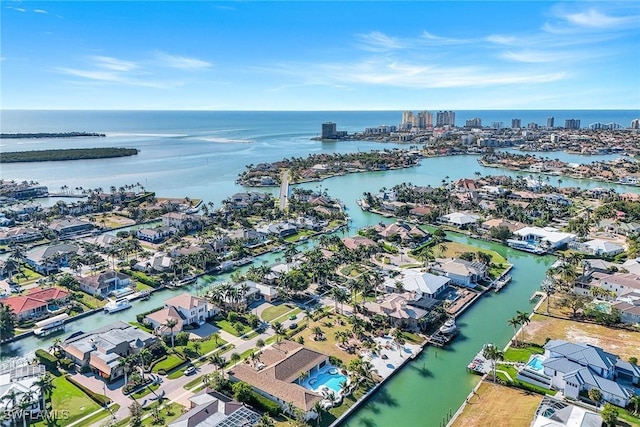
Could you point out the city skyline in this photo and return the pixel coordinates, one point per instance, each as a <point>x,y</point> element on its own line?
<point>320,55</point>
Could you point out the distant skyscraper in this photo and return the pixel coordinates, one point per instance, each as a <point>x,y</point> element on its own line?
<point>550,123</point>
<point>476,122</point>
<point>407,118</point>
<point>426,119</point>
<point>446,118</point>
<point>328,130</point>
<point>516,123</point>
<point>572,124</point>
<point>635,124</point>
<point>497,125</point>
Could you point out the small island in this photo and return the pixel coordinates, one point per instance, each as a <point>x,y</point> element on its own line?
<point>317,167</point>
<point>49,135</point>
<point>66,154</point>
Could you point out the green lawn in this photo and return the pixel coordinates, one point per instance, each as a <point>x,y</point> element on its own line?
<point>69,402</point>
<point>521,354</point>
<point>174,409</point>
<point>25,276</point>
<point>145,391</point>
<point>293,312</point>
<point>276,311</point>
<point>226,326</point>
<point>90,301</point>
<point>207,346</point>
<point>299,235</point>
<point>171,362</point>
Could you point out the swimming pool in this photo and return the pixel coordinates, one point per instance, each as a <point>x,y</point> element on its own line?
<point>536,363</point>
<point>326,379</point>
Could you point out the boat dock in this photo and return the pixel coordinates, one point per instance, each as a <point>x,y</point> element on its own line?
<point>479,365</point>
<point>501,283</point>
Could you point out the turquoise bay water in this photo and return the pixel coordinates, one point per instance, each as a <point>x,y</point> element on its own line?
<point>199,154</point>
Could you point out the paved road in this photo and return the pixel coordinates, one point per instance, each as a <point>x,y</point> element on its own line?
<point>284,189</point>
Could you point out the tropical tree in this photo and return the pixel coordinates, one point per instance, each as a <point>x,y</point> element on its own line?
<point>279,331</point>
<point>7,322</point>
<point>514,322</point>
<point>171,323</point>
<point>635,402</point>
<point>492,353</point>
<point>398,338</point>
<point>235,358</point>
<point>319,410</point>
<point>596,395</point>
<point>609,414</point>
<point>217,360</point>
<point>317,331</point>
<point>265,421</point>
<point>523,318</point>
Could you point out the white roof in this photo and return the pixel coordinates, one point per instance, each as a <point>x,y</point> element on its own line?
<point>603,245</point>
<point>461,218</point>
<point>427,283</point>
<point>550,234</point>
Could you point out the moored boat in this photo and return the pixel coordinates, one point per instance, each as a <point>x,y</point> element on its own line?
<point>449,327</point>
<point>117,305</point>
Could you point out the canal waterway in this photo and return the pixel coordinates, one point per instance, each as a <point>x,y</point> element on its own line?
<point>204,163</point>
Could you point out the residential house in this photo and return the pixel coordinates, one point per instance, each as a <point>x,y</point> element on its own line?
<point>187,309</point>
<point>208,408</point>
<point>461,272</point>
<point>399,309</point>
<point>459,219</point>
<point>357,241</point>
<point>155,235</point>
<point>68,226</point>
<point>547,237</point>
<point>422,284</point>
<point>48,259</point>
<point>18,383</point>
<point>400,231</point>
<point>629,305</point>
<point>553,412</point>
<point>102,349</point>
<point>577,368</point>
<point>619,227</point>
<point>104,283</point>
<point>19,235</point>
<point>278,371</point>
<point>158,262</point>
<point>598,247</point>
<point>35,304</point>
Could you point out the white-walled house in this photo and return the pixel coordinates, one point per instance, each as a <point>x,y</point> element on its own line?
<point>461,272</point>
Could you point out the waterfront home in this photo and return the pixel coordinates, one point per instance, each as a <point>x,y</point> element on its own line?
<point>459,219</point>
<point>68,226</point>
<point>193,309</point>
<point>280,229</point>
<point>553,412</point>
<point>619,227</point>
<point>158,321</point>
<point>37,302</point>
<point>175,219</point>
<point>407,233</point>
<point>104,240</point>
<point>20,392</point>
<point>575,369</point>
<point>547,237</point>
<point>422,284</point>
<point>104,283</point>
<point>598,247</point>
<point>460,271</point>
<point>277,371</point>
<point>102,349</point>
<point>48,259</point>
<point>19,235</point>
<point>244,200</point>
<point>356,241</point>
<point>158,262</point>
<point>155,235</point>
<point>501,222</point>
<point>209,408</point>
<point>398,309</point>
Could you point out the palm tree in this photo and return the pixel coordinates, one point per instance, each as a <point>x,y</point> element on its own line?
<point>398,337</point>
<point>491,352</point>
<point>171,323</point>
<point>217,360</point>
<point>318,332</point>
<point>514,322</point>
<point>265,421</point>
<point>45,384</point>
<point>279,330</point>
<point>635,402</point>
<point>26,402</point>
<point>523,319</point>
<point>318,409</point>
<point>235,358</point>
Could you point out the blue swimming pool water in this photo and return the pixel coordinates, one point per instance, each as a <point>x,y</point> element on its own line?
<point>328,380</point>
<point>536,364</point>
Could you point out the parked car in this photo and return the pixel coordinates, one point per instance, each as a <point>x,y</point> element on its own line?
<point>293,325</point>
<point>190,370</point>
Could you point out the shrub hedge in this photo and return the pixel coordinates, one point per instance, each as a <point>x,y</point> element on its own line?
<point>100,399</point>
<point>47,359</point>
<point>269,406</point>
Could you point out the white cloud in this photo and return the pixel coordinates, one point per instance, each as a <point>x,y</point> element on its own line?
<point>42,11</point>
<point>376,41</point>
<point>533,56</point>
<point>114,64</point>
<point>182,62</point>
<point>594,19</point>
<point>433,39</point>
<point>107,76</point>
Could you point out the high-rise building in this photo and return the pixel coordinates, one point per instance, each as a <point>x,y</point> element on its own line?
<point>425,119</point>
<point>635,124</point>
<point>329,130</point>
<point>407,119</point>
<point>446,118</point>
<point>572,124</point>
<point>476,122</point>
<point>497,125</point>
<point>550,122</point>
<point>516,123</point>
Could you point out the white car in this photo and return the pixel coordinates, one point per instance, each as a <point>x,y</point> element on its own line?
<point>190,370</point>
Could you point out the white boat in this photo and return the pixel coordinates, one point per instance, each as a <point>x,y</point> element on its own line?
<point>499,284</point>
<point>117,305</point>
<point>448,327</point>
<point>50,325</point>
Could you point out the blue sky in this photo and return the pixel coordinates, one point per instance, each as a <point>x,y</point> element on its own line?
<point>307,55</point>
